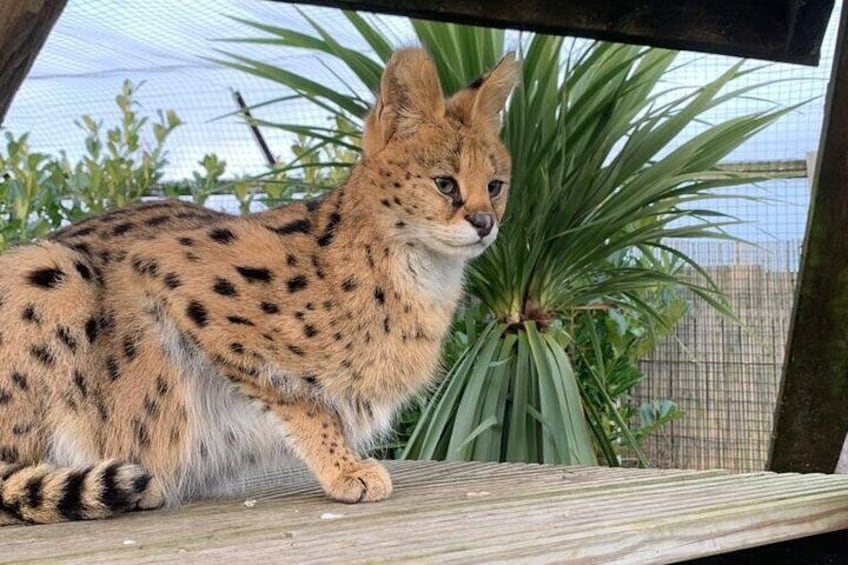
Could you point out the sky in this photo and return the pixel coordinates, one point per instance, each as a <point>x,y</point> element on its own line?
<point>168,46</point>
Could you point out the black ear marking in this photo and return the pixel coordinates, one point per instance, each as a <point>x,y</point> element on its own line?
<point>477,82</point>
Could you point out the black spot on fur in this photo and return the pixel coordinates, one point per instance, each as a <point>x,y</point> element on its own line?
<point>20,380</point>
<point>30,314</point>
<point>291,260</point>
<point>161,385</point>
<point>121,229</point>
<point>349,284</point>
<point>91,329</point>
<point>386,325</point>
<point>255,274</point>
<point>172,280</point>
<point>337,336</point>
<point>319,271</point>
<point>347,363</point>
<point>113,368</point>
<point>83,270</point>
<point>328,305</point>
<point>145,266</point>
<point>5,397</point>
<point>236,347</point>
<point>82,247</point>
<point>42,354</point>
<point>296,226</point>
<point>299,315</point>
<point>157,220</point>
<point>151,407</point>
<point>313,204</point>
<point>224,287</point>
<point>297,350</point>
<point>379,295</point>
<point>385,202</point>
<point>311,379</point>
<point>21,429</point>
<point>198,314</point>
<point>270,308</point>
<point>400,224</point>
<point>192,257</point>
<point>102,410</point>
<point>222,235</point>
<point>310,331</point>
<point>326,238</point>
<point>186,241</point>
<point>9,454</point>
<point>130,349</point>
<point>46,278</point>
<point>83,231</point>
<point>142,435</point>
<point>297,283</point>
<point>369,255</point>
<point>79,381</point>
<point>238,320</point>
<point>64,335</point>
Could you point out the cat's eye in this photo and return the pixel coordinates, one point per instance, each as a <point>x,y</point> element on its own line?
<point>446,185</point>
<point>495,188</point>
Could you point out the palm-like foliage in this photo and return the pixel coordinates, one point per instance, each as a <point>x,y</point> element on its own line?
<point>600,186</point>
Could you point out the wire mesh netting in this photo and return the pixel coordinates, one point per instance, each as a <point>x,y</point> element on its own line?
<point>724,377</point>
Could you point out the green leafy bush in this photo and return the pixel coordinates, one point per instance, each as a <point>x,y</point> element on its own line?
<point>40,192</point>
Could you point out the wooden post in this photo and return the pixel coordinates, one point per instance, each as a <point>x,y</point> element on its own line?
<point>777,30</point>
<point>812,410</point>
<point>24,26</point>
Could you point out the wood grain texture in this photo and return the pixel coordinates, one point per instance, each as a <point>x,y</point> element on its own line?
<point>24,26</point>
<point>464,512</point>
<point>779,30</point>
<point>812,410</point>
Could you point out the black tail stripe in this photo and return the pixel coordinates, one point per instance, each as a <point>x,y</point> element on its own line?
<point>140,483</point>
<point>10,470</point>
<point>70,505</point>
<point>13,510</point>
<point>34,488</point>
<point>112,496</point>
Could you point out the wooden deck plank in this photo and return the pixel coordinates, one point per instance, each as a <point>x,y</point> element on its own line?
<point>464,512</point>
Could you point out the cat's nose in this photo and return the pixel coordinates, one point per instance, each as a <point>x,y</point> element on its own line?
<point>482,222</point>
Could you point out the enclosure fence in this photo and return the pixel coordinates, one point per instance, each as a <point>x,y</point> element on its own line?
<point>724,375</point>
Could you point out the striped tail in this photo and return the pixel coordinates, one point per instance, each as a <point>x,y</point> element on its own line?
<point>43,494</point>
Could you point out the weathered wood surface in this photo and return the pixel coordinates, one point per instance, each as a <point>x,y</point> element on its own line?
<point>778,30</point>
<point>24,26</point>
<point>812,411</point>
<point>464,512</point>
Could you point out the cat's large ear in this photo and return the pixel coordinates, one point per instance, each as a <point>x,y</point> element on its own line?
<point>481,102</point>
<point>410,94</point>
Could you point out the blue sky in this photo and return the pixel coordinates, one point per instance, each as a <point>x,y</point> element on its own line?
<point>98,43</point>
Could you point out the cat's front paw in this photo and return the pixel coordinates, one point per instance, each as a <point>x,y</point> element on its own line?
<point>363,481</point>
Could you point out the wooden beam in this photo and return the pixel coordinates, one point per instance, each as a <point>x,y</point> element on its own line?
<point>24,26</point>
<point>458,512</point>
<point>777,30</point>
<point>812,411</point>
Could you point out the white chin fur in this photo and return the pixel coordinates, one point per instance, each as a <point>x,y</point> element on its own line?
<point>461,243</point>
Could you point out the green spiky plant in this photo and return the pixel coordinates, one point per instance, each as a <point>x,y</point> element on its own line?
<point>601,184</point>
